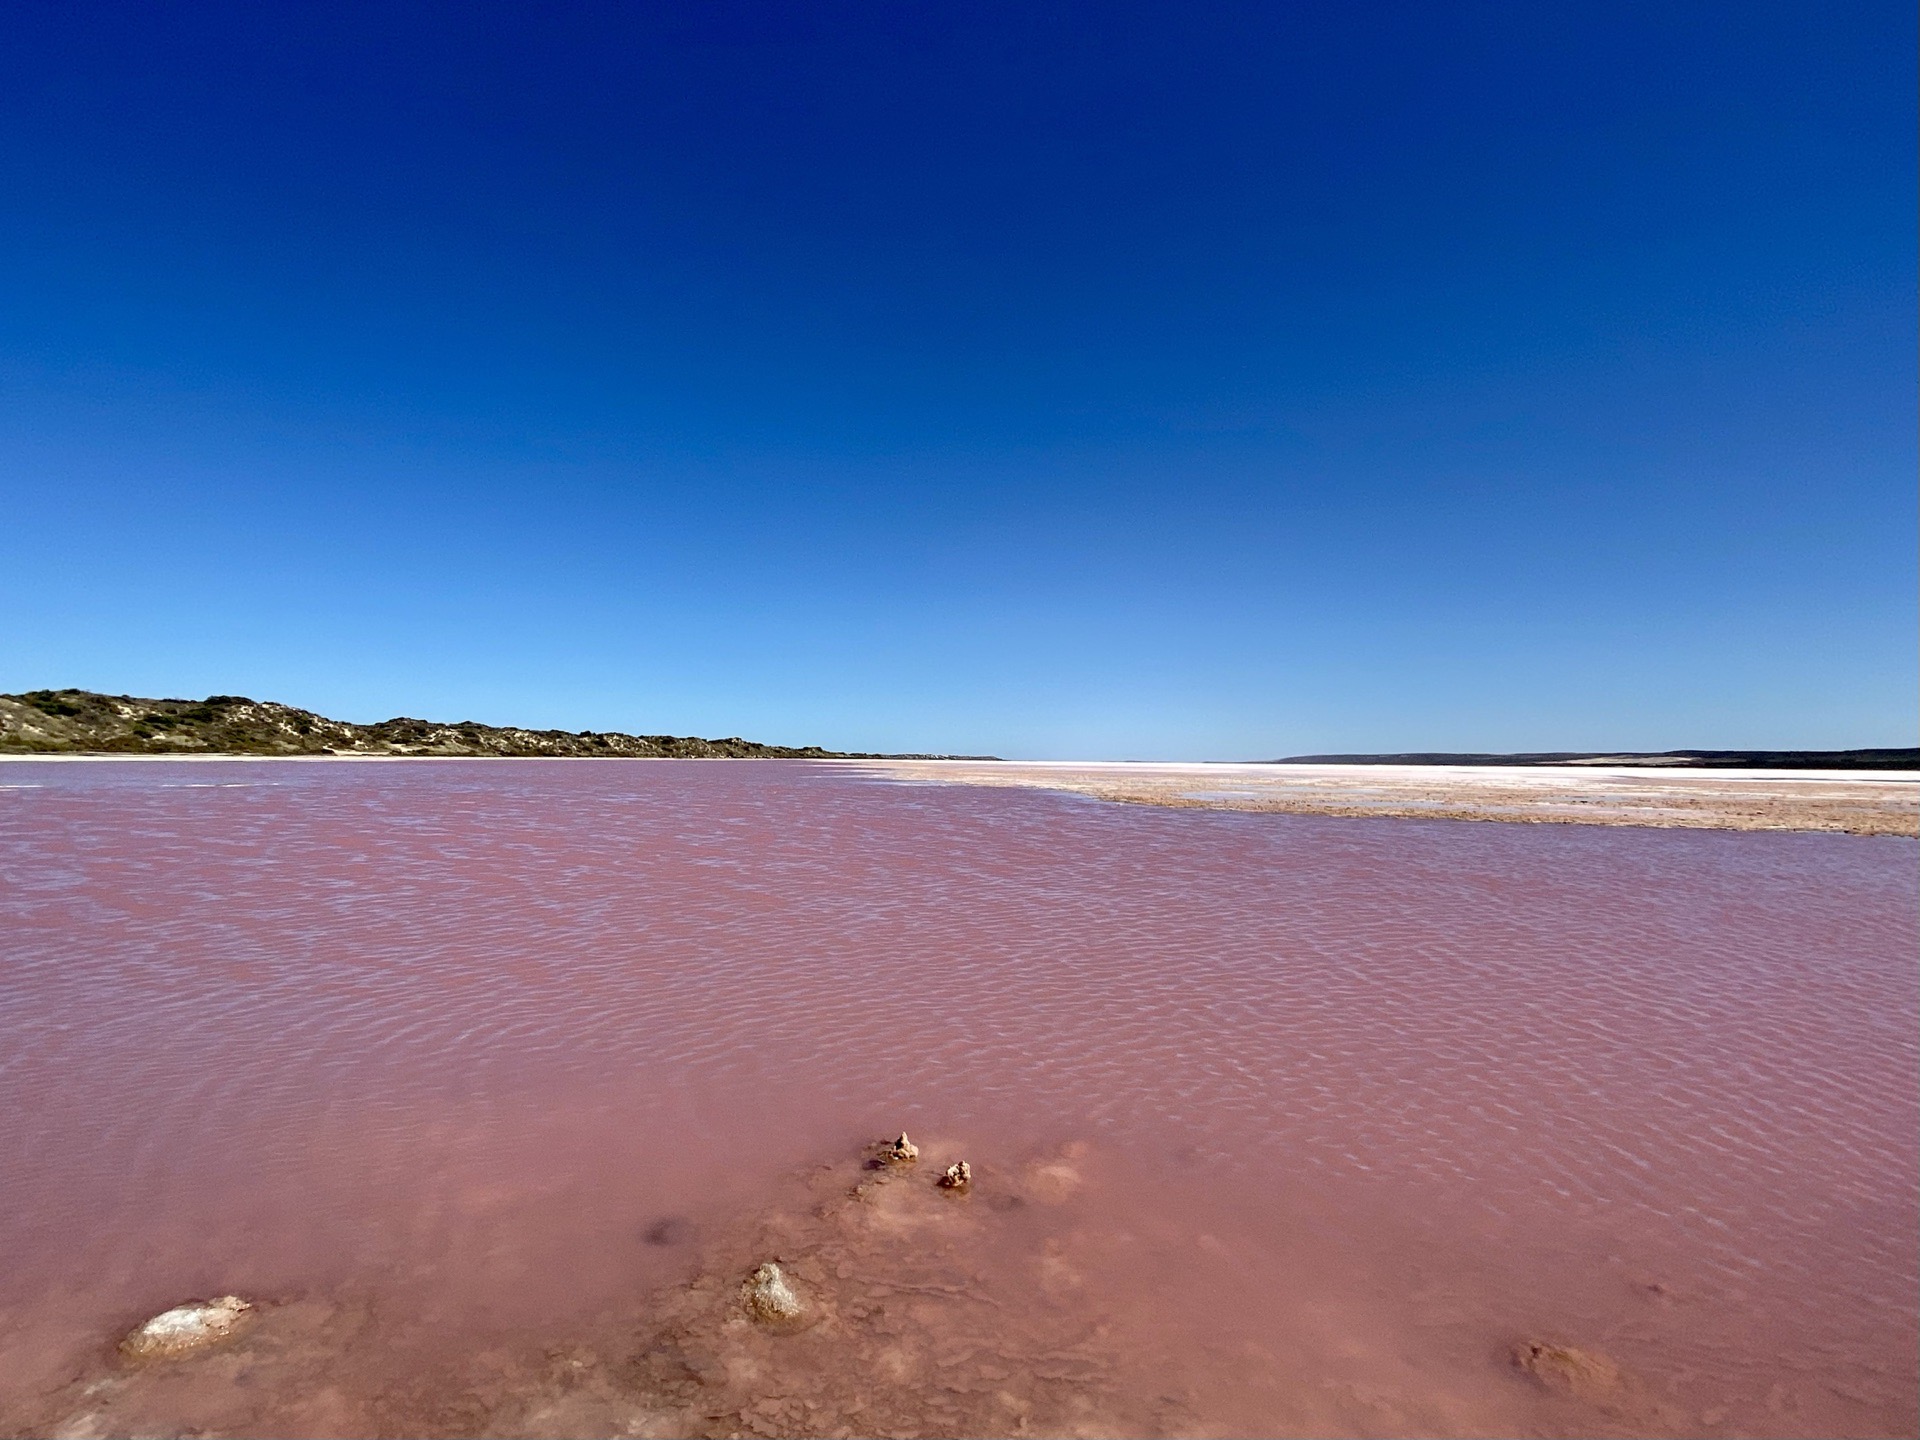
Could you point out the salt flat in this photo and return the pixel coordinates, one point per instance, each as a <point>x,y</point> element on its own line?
<point>1847,801</point>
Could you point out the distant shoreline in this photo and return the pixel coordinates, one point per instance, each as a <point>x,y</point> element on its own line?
<point>1120,769</point>
<point>1857,802</point>
<point>1865,758</point>
<point>85,724</point>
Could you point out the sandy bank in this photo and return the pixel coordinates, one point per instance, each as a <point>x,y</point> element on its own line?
<point>1849,802</point>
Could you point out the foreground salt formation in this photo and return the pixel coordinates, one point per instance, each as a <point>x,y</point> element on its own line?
<point>771,1298</point>
<point>187,1329</point>
<point>883,1297</point>
<point>906,1320</point>
<point>1569,1370</point>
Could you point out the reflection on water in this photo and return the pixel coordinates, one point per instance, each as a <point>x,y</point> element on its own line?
<point>493,1081</point>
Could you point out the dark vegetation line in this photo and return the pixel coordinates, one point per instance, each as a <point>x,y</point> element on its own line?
<point>81,722</point>
<point>1887,758</point>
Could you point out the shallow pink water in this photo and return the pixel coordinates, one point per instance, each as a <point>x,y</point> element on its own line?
<point>1368,1099</point>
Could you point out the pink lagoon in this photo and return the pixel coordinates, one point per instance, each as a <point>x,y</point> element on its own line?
<point>489,1085</point>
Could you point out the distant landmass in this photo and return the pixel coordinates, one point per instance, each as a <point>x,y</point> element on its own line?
<point>80,722</point>
<point>1898,758</point>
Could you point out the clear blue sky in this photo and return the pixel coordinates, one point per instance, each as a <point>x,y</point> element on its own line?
<point>1184,381</point>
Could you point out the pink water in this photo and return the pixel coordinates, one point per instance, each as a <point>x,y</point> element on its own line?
<point>494,1052</point>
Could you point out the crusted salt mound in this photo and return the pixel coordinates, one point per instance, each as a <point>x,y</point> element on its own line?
<point>920,1316</point>
<point>186,1329</point>
<point>771,1298</point>
<point>957,1177</point>
<point>1584,1374</point>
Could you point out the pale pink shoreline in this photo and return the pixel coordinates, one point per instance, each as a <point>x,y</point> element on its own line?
<point>1882,803</point>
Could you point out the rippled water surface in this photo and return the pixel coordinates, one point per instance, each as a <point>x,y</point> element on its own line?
<point>498,1058</point>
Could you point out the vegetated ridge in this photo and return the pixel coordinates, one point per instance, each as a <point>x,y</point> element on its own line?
<point>1886,758</point>
<point>81,722</point>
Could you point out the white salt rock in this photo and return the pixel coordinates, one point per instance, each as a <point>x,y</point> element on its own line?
<point>770,1297</point>
<point>187,1328</point>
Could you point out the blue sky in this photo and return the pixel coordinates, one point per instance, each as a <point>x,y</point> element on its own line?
<point>1216,381</point>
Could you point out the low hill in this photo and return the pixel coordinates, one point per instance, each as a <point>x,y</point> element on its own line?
<point>1892,758</point>
<point>80,722</point>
